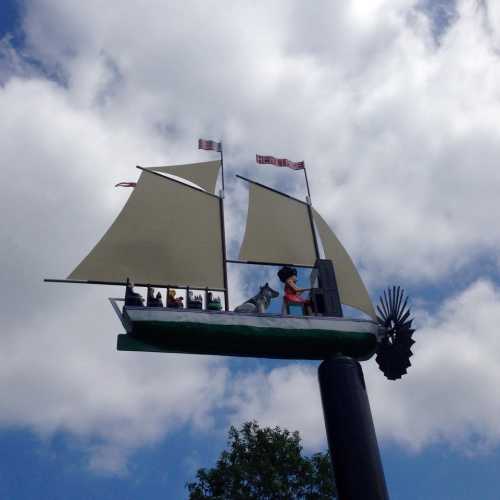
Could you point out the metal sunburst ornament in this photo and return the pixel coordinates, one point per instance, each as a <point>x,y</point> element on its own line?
<point>394,349</point>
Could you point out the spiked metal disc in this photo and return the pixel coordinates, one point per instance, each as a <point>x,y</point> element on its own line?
<point>394,350</point>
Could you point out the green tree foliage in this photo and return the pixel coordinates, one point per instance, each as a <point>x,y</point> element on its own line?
<point>264,464</point>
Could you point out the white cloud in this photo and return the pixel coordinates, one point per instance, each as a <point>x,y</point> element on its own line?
<point>447,397</point>
<point>287,396</point>
<point>399,134</point>
<point>450,394</point>
<point>63,373</point>
<point>400,138</point>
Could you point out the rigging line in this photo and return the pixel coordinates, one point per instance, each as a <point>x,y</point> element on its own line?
<point>124,283</point>
<point>270,189</point>
<point>175,180</point>
<point>277,264</point>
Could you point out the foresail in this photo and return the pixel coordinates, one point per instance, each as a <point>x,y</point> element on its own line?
<point>202,174</point>
<point>352,290</point>
<point>167,233</point>
<point>278,229</point>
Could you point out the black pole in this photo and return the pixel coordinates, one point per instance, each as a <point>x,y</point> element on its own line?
<point>311,220</point>
<point>307,184</point>
<point>224,256</point>
<point>269,188</point>
<point>348,419</point>
<point>222,166</point>
<point>313,230</point>
<point>259,263</point>
<point>223,230</point>
<point>349,428</point>
<point>124,283</point>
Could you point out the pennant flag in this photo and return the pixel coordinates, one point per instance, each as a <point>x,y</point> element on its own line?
<point>126,184</point>
<point>209,145</point>
<point>279,162</point>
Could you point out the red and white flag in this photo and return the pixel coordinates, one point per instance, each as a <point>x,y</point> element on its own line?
<point>209,145</point>
<point>279,162</point>
<point>126,184</point>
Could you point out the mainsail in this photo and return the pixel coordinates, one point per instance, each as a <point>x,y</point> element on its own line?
<point>202,174</point>
<point>279,230</point>
<point>168,233</point>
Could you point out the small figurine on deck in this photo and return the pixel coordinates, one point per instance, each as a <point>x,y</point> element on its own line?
<point>288,276</point>
<point>194,301</point>
<point>132,298</point>
<point>173,301</point>
<point>154,301</point>
<point>213,303</point>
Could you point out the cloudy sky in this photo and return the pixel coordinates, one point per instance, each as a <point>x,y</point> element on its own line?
<point>394,106</point>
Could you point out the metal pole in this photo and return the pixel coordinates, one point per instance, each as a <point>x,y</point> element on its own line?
<point>224,256</point>
<point>270,189</point>
<point>222,165</point>
<point>307,184</point>
<point>223,230</point>
<point>259,263</point>
<point>309,211</point>
<point>124,283</point>
<point>349,428</point>
<point>313,230</point>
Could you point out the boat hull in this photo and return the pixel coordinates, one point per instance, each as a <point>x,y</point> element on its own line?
<point>251,335</point>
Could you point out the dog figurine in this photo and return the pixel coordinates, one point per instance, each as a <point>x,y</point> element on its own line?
<point>260,302</point>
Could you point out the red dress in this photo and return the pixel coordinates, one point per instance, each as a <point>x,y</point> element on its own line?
<point>292,296</point>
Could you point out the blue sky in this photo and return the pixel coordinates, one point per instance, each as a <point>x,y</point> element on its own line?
<point>394,107</point>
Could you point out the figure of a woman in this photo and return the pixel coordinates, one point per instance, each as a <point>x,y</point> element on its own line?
<point>288,276</point>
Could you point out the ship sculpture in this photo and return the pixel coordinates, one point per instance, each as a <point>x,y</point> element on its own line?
<point>170,236</point>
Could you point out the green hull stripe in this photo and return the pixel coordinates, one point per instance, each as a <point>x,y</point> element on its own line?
<point>237,340</point>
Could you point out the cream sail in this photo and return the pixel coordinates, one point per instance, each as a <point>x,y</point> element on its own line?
<point>279,230</point>
<point>167,233</point>
<point>202,174</point>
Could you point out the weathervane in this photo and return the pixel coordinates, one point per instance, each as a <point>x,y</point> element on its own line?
<point>394,348</point>
<point>171,235</point>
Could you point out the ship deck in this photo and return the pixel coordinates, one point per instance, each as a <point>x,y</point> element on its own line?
<point>155,329</point>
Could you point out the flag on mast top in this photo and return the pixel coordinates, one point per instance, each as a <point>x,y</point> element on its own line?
<point>284,162</point>
<point>214,146</point>
<point>279,162</point>
<point>210,145</point>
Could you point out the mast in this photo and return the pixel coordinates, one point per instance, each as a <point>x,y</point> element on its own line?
<point>311,221</point>
<point>223,240</point>
<point>217,146</point>
<point>309,211</point>
<point>223,228</point>
<point>307,183</point>
<point>222,166</point>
